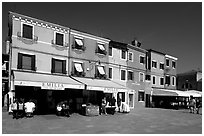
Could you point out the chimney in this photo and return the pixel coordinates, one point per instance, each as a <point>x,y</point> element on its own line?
<point>136,43</point>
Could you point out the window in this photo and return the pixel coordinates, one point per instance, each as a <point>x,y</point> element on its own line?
<point>101,49</point>
<point>161,66</point>
<point>173,64</point>
<point>167,62</point>
<point>173,81</point>
<point>142,60</point>
<point>123,54</point>
<point>100,72</point>
<point>77,69</point>
<point>121,95</point>
<point>59,38</point>
<point>130,75</point>
<point>153,80</point>
<point>123,75</point>
<point>130,56</point>
<point>110,51</point>
<point>141,77</point>
<point>154,64</point>
<point>26,61</point>
<point>58,66</point>
<point>141,96</point>
<point>78,44</point>
<point>147,77</point>
<point>167,80</point>
<point>27,31</point>
<point>161,81</point>
<point>110,73</point>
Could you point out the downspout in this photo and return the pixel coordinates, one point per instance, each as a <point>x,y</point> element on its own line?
<point>69,50</point>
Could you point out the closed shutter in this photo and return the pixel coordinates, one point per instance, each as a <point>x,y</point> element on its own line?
<point>53,66</point>
<point>73,67</point>
<point>33,63</point>
<point>64,67</point>
<point>19,66</point>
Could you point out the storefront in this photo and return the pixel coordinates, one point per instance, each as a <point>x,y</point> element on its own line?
<point>47,90</point>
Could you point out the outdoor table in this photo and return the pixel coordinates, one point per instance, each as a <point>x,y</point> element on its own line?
<point>110,109</point>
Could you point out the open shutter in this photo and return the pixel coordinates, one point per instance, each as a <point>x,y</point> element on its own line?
<point>33,63</point>
<point>53,66</point>
<point>19,66</point>
<point>64,67</point>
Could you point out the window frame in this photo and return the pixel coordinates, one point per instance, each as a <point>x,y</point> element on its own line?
<point>121,54</point>
<point>160,80</point>
<point>174,67</point>
<point>166,80</point>
<point>168,63</point>
<point>98,49</point>
<point>140,58</point>
<point>132,75</point>
<point>111,72</point>
<point>142,75</point>
<point>156,64</point>
<point>121,74</point>
<point>55,34</point>
<point>111,51</point>
<point>20,61</point>
<point>129,56</point>
<point>173,81</point>
<point>64,65</point>
<point>160,65</point>
<point>22,23</point>
<point>153,76</point>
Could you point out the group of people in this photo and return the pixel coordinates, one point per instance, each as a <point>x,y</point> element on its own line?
<point>21,108</point>
<point>194,105</point>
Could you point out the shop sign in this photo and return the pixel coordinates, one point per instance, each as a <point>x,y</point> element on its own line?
<point>52,86</point>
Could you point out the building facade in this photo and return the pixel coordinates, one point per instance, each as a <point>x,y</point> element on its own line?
<point>191,80</point>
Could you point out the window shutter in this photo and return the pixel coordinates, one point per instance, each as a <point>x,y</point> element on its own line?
<point>64,67</point>
<point>97,47</point>
<point>53,66</point>
<point>19,66</point>
<point>33,63</point>
<point>73,67</point>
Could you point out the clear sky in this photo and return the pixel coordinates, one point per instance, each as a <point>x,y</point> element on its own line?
<point>171,28</point>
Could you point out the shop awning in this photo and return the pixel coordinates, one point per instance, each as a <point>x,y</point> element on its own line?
<point>194,93</point>
<point>161,92</point>
<point>45,81</point>
<point>106,86</point>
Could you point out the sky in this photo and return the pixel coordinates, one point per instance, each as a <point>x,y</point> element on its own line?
<point>174,28</point>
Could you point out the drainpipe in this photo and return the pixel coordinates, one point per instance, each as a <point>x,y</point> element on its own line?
<point>69,50</point>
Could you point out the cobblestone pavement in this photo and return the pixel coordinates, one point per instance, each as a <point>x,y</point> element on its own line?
<point>138,121</point>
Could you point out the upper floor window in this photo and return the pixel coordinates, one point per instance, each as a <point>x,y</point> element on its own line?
<point>123,54</point>
<point>142,60</point>
<point>154,80</point>
<point>167,62</point>
<point>59,39</point>
<point>101,49</point>
<point>173,81</point>
<point>173,64</point>
<point>100,72</point>
<point>110,51</point>
<point>161,66</point>
<point>161,81</point>
<point>167,80</point>
<point>130,75</point>
<point>110,73</point>
<point>77,69</point>
<point>123,75</point>
<point>58,66</point>
<point>148,77</point>
<point>141,77</point>
<point>78,44</point>
<point>154,64</point>
<point>26,61</point>
<point>27,31</point>
<point>130,56</point>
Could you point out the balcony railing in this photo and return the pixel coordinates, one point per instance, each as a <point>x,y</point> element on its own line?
<point>27,40</point>
<point>78,74</point>
<point>81,48</point>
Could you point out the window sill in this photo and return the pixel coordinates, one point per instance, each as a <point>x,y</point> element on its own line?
<point>100,54</point>
<point>27,70</point>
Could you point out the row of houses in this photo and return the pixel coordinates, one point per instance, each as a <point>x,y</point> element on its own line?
<point>50,63</point>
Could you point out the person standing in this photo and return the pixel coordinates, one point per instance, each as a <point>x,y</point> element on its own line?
<point>192,104</point>
<point>15,108</point>
<point>119,103</point>
<point>104,102</point>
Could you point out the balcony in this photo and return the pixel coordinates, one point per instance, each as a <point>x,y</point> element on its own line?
<point>64,46</point>
<point>99,76</point>
<point>78,48</point>
<point>27,40</point>
<point>78,74</point>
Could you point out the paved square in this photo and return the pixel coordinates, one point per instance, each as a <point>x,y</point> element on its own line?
<point>138,121</point>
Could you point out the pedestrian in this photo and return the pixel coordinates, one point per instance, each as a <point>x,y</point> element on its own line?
<point>192,104</point>
<point>119,101</point>
<point>113,101</point>
<point>104,103</point>
<point>198,105</point>
<point>29,108</point>
<point>15,108</point>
